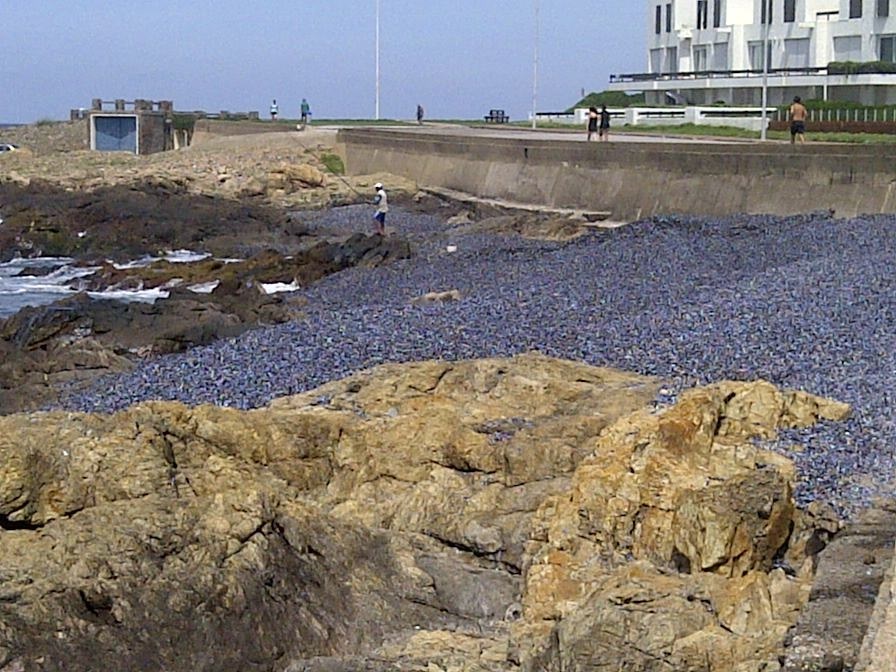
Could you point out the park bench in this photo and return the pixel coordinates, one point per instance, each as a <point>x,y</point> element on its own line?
<point>497,117</point>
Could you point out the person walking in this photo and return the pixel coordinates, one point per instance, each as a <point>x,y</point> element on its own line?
<point>593,119</point>
<point>381,201</point>
<point>274,110</point>
<point>798,114</point>
<point>604,132</point>
<point>419,115</point>
<point>305,111</point>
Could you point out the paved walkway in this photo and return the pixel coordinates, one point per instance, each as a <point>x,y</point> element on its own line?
<point>569,136</point>
<point>879,650</point>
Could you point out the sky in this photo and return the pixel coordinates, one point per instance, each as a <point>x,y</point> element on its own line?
<point>457,58</point>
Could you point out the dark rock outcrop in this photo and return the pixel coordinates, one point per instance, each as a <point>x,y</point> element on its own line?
<point>78,338</point>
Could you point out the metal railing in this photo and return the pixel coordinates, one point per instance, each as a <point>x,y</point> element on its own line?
<point>719,74</point>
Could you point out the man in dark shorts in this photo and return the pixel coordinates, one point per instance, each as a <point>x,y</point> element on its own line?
<point>604,133</point>
<point>798,114</point>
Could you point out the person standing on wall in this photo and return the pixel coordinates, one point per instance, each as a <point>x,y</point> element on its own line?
<point>604,132</point>
<point>381,201</point>
<point>274,110</point>
<point>798,114</point>
<point>306,112</point>
<point>593,119</point>
<point>420,115</point>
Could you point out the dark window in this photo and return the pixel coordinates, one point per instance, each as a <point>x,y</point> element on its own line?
<point>702,14</point>
<point>789,11</point>
<point>659,19</point>
<point>883,7</point>
<point>855,9</point>
<point>717,13</point>
<point>888,48</point>
<point>766,11</point>
<point>669,17</point>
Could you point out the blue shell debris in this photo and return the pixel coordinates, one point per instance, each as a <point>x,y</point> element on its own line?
<point>806,302</point>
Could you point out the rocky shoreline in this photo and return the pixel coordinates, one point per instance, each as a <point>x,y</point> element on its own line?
<point>103,212</point>
<point>368,473</point>
<point>543,517</point>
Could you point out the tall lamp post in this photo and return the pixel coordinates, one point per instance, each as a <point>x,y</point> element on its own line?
<point>535,68</point>
<point>766,25</point>
<point>377,105</point>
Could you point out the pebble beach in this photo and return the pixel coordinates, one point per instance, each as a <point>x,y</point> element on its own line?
<point>805,302</point>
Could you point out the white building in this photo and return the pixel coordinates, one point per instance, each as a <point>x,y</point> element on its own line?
<point>707,51</point>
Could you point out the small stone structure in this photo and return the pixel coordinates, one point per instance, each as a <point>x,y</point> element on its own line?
<point>139,126</point>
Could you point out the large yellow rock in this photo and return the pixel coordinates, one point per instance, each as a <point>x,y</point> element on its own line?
<point>485,515</point>
<point>291,177</point>
<point>686,492</point>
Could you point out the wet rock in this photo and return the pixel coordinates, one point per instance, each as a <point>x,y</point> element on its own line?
<point>126,222</point>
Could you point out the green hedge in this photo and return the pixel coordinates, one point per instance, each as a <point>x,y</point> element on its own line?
<point>610,99</point>
<point>856,68</point>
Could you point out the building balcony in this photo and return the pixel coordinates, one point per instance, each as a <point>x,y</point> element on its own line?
<point>740,86</point>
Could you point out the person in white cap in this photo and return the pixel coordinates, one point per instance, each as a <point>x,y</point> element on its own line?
<point>381,201</point>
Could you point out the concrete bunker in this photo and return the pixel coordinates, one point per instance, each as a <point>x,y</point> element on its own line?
<point>137,127</point>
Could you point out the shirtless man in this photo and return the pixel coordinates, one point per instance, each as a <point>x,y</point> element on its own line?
<point>798,114</point>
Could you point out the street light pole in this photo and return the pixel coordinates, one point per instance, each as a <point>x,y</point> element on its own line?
<point>377,110</point>
<point>535,68</point>
<point>766,25</point>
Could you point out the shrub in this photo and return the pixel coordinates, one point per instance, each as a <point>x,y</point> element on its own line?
<point>610,99</point>
<point>857,68</point>
<point>333,162</point>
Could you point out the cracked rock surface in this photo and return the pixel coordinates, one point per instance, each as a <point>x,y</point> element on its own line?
<point>521,513</point>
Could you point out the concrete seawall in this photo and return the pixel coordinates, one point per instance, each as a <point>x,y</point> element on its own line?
<point>634,180</point>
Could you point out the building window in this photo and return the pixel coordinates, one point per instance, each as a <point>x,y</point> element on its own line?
<point>789,11</point>
<point>702,14</point>
<point>796,53</point>
<point>767,11</point>
<point>755,53</point>
<point>855,9</point>
<point>848,48</point>
<point>672,60</point>
<point>883,7</point>
<point>888,48</point>
<point>701,59</point>
<point>720,56</point>
<point>669,17</point>
<point>658,25</point>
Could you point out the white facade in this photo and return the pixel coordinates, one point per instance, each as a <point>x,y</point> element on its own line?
<point>704,51</point>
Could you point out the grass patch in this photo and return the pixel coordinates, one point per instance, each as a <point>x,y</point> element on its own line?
<point>731,132</point>
<point>46,122</point>
<point>333,162</point>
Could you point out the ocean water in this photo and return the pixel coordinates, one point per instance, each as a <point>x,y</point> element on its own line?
<point>41,281</point>
<point>24,282</point>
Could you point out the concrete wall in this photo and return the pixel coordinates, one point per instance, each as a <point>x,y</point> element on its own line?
<point>155,133</point>
<point>634,180</point>
<point>219,127</point>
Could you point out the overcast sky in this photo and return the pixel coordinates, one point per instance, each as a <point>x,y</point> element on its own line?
<point>458,58</point>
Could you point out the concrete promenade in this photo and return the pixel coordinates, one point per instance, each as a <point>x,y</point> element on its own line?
<point>632,176</point>
<point>878,652</point>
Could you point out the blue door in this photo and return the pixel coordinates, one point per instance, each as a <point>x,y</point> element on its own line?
<point>115,134</point>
